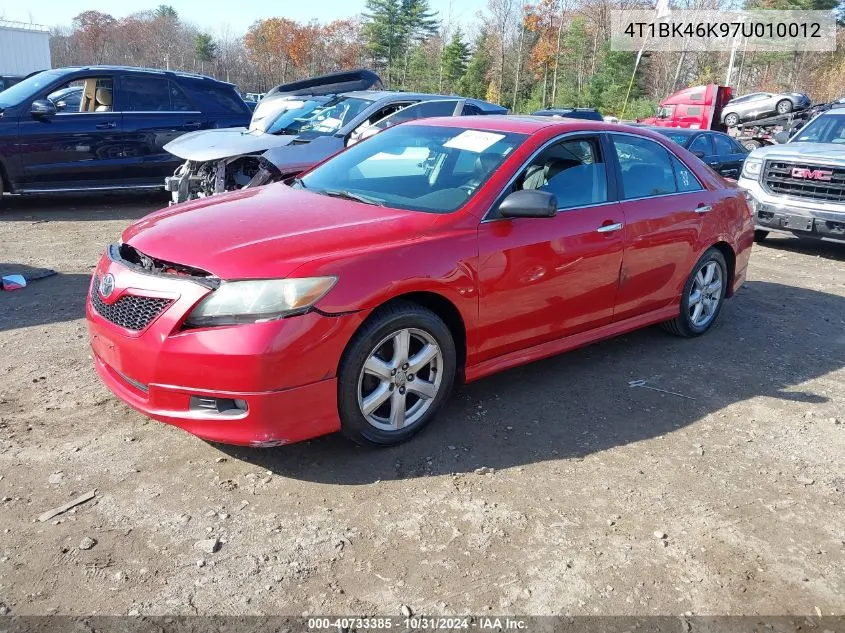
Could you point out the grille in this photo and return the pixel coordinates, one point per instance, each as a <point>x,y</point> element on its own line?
<point>130,311</point>
<point>778,178</point>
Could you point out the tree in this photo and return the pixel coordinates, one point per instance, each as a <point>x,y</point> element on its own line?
<point>473,83</point>
<point>454,59</point>
<point>94,30</point>
<point>205,49</point>
<point>167,12</point>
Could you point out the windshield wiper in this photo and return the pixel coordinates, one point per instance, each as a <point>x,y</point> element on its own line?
<point>348,195</point>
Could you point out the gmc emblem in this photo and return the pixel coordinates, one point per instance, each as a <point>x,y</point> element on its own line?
<point>811,174</point>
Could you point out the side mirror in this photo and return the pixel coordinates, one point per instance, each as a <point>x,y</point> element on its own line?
<point>42,109</point>
<point>781,137</point>
<point>700,154</point>
<point>529,203</point>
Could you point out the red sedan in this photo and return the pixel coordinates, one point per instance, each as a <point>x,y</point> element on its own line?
<point>354,298</point>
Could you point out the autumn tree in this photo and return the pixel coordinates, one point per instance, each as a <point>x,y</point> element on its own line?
<point>94,30</point>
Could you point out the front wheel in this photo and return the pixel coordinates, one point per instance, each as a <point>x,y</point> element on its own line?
<point>703,296</point>
<point>784,107</point>
<point>732,120</point>
<point>395,375</point>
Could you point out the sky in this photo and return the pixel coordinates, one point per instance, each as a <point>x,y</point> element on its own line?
<point>211,15</point>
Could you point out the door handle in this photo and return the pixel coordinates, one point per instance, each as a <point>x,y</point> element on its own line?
<point>610,228</point>
<point>703,208</point>
<point>109,125</point>
<point>192,125</point>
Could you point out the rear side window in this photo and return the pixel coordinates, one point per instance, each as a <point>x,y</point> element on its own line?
<point>216,98</point>
<point>470,110</point>
<point>144,94</point>
<point>724,146</point>
<point>423,110</point>
<point>646,167</point>
<point>179,101</point>
<point>701,143</point>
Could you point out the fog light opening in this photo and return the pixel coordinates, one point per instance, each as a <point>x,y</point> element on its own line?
<point>218,406</point>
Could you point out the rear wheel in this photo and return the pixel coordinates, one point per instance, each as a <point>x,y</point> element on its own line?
<point>703,296</point>
<point>732,120</point>
<point>760,235</point>
<point>395,375</point>
<point>784,106</point>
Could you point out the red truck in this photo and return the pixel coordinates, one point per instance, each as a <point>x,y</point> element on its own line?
<point>698,108</point>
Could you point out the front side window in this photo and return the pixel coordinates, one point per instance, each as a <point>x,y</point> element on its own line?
<point>573,170</point>
<point>701,143</point>
<point>646,167</point>
<point>414,167</point>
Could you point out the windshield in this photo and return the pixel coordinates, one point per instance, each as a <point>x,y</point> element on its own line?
<point>287,120</point>
<point>333,115</point>
<point>416,167</point>
<point>829,128</point>
<point>664,112</point>
<point>27,88</point>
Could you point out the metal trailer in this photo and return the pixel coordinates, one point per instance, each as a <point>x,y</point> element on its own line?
<point>24,48</point>
<point>755,134</point>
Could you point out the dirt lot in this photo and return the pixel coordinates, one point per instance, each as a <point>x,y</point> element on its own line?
<point>746,480</point>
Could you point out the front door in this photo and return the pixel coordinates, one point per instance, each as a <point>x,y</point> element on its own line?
<point>544,278</point>
<point>74,149</point>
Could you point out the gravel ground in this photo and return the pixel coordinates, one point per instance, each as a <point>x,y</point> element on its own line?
<point>553,488</point>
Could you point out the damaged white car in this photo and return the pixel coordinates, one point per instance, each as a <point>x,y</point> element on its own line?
<point>290,133</point>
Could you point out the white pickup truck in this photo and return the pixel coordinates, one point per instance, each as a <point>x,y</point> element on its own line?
<point>798,187</point>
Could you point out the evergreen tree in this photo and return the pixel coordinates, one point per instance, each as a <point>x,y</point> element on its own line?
<point>391,29</point>
<point>205,49</point>
<point>454,60</point>
<point>473,83</point>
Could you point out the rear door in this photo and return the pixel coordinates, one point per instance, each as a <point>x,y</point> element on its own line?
<point>74,149</point>
<point>730,156</point>
<point>155,111</point>
<point>665,206</point>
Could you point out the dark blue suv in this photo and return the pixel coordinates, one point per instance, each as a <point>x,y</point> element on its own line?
<point>113,138</point>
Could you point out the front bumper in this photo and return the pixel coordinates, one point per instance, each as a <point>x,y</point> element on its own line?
<point>281,374</point>
<point>802,217</point>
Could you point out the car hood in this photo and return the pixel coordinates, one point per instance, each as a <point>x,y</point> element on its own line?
<point>826,152</point>
<point>299,156</point>
<point>269,232</point>
<point>205,145</point>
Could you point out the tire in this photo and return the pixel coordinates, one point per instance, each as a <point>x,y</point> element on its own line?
<point>732,119</point>
<point>783,106</point>
<point>686,324</point>
<point>760,235</point>
<point>388,382</point>
<point>751,145</point>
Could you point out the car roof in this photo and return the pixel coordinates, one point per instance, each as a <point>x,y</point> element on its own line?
<point>138,69</point>
<point>525,124</point>
<point>398,95</point>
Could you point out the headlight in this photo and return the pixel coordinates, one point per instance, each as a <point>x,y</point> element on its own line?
<point>751,168</point>
<point>256,301</point>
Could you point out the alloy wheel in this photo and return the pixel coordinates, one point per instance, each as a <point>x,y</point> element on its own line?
<point>400,379</point>
<point>705,294</point>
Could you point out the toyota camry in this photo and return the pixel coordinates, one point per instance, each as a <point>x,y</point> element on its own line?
<point>353,298</point>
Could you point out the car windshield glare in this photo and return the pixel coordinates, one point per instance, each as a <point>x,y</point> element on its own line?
<point>415,167</point>
<point>27,88</point>
<point>333,115</point>
<point>285,121</point>
<point>829,128</point>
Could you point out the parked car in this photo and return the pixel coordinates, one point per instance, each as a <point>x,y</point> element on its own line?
<point>722,153</point>
<point>798,187</point>
<point>67,99</point>
<point>588,114</point>
<point>213,166</point>
<point>437,250</point>
<point>115,137</point>
<point>758,105</point>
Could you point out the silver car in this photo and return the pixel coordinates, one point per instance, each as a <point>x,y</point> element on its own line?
<point>759,105</point>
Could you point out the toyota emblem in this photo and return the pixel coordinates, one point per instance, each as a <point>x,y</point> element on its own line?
<point>107,285</point>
